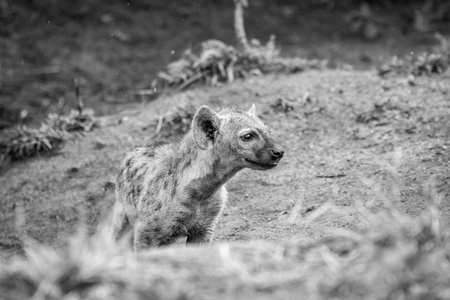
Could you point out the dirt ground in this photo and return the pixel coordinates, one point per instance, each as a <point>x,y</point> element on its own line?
<point>345,132</point>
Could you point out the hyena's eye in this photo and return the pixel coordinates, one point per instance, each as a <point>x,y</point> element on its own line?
<point>247,137</point>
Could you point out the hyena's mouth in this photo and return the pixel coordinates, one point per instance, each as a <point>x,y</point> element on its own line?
<point>261,165</point>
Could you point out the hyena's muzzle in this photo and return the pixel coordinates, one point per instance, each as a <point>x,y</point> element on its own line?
<point>266,156</point>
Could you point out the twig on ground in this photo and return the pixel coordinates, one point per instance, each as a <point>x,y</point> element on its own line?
<point>49,70</point>
<point>331,176</point>
<point>192,80</point>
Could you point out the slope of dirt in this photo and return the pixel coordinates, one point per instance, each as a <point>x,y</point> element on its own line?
<point>341,131</point>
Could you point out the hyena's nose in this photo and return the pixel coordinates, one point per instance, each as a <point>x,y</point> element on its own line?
<point>276,153</point>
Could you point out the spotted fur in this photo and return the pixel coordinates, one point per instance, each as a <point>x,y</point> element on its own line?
<point>178,190</point>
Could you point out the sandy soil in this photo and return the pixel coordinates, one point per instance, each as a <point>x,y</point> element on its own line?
<point>346,133</point>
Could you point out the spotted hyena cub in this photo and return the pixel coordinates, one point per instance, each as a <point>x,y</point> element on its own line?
<point>178,190</point>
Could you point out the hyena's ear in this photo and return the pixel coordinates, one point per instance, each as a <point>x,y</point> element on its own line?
<point>252,110</point>
<point>205,126</point>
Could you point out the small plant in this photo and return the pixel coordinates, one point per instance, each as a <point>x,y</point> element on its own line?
<point>77,120</point>
<point>176,122</point>
<point>282,105</point>
<point>436,61</point>
<point>27,142</point>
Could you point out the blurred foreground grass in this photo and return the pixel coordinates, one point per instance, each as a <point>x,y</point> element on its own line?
<point>394,256</point>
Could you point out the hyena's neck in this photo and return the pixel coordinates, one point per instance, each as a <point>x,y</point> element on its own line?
<point>202,172</point>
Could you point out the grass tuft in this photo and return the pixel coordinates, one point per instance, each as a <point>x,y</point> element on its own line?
<point>76,120</point>
<point>436,61</point>
<point>218,63</point>
<point>27,142</point>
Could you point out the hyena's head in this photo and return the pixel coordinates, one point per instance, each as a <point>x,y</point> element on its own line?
<point>238,138</point>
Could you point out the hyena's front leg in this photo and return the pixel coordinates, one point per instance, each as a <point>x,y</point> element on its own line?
<point>203,232</point>
<point>145,235</point>
<point>200,236</point>
<point>150,233</point>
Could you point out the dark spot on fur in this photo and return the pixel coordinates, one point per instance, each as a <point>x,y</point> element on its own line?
<point>160,176</point>
<point>136,191</point>
<point>149,194</point>
<point>174,188</point>
<point>139,179</point>
<point>189,205</point>
<point>187,164</point>
<point>131,174</point>
<point>157,229</point>
<point>174,165</point>
<point>119,180</point>
<point>128,163</point>
<point>158,206</point>
<point>149,152</point>
<point>182,221</point>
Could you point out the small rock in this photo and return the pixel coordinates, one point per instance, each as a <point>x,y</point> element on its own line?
<point>73,169</point>
<point>108,185</point>
<point>98,145</point>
